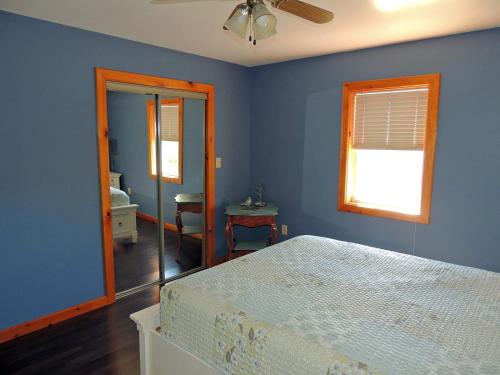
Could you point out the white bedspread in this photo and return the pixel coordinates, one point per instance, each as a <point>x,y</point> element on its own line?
<point>312,305</point>
<point>118,197</point>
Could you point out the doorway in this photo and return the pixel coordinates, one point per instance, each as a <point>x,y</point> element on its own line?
<point>178,227</point>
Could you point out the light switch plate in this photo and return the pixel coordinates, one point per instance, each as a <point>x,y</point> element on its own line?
<point>129,190</point>
<point>284,230</point>
<point>218,162</point>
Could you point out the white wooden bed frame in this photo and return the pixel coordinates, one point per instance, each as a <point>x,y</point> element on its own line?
<point>158,355</point>
<point>124,222</point>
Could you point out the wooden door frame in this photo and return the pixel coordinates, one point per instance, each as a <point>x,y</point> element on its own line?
<point>102,77</point>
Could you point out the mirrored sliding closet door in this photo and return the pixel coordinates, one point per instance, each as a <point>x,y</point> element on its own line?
<point>133,192</point>
<point>182,150</point>
<point>156,166</point>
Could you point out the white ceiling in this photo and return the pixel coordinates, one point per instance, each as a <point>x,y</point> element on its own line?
<point>196,27</point>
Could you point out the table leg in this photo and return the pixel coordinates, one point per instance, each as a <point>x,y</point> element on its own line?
<point>273,238</point>
<point>229,237</point>
<point>178,222</point>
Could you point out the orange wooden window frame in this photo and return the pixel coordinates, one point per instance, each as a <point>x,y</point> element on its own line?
<point>430,81</point>
<point>150,104</point>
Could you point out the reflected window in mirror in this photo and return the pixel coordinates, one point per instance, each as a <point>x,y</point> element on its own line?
<point>171,118</point>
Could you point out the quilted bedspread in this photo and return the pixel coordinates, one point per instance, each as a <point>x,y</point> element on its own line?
<point>313,305</point>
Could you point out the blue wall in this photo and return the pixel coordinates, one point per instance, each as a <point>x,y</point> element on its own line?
<point>50,231</point>
<point>50,234</point>
<point>296,111</point>
<point>127,123</point>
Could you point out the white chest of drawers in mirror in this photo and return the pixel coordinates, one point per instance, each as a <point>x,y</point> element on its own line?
<point>114,179</point>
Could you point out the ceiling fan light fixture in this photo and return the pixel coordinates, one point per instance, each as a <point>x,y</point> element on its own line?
<point>238,20</point>
<point>264,22</point>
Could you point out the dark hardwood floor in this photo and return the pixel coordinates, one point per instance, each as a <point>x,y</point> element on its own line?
<point>137,264</point>
<point>104,341</point>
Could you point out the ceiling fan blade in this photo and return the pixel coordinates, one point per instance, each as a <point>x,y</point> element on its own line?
<point>304,10</point>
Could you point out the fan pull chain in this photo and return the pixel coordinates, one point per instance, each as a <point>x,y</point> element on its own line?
<point>250,36</point>
<point>250,39</point>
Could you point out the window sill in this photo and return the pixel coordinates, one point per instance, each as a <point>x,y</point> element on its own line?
<point>168,180</point>
<point>421,218</point>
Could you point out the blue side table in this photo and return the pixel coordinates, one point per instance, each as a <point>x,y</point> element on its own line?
<point>251,218</point>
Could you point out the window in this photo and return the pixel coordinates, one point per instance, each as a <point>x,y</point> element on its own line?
<point>387,147</point>
<point>171,139</point>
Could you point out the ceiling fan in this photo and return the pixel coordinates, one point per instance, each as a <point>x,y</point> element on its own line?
<point>262,22</point>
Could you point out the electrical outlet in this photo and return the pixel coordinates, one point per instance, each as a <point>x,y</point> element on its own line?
<point>218,162</point>
<point>129,191</point>
<point>284,230</point>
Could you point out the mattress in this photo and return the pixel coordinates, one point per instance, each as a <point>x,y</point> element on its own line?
<point>313,305</point>
<point>118,197</point>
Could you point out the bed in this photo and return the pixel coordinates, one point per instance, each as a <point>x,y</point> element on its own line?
<point>123,216</point>
<point>312,305</point>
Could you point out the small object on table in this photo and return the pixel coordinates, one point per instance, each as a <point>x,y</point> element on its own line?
<point>250,218</point>
<point>247,202</point>
<point>260,189</point>
<point>187,203</point>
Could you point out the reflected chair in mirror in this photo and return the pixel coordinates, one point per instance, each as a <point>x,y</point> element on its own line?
<point>192,203</point>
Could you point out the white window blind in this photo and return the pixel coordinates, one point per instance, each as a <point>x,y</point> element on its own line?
<point>169,122</point>
<point>390,120</point>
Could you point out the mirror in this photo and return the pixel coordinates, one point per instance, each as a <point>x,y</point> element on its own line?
<point>142,201</point>
<point>182,150</point>
<point>133,193</point>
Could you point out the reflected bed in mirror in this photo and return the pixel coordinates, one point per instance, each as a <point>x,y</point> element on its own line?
<point>123,215</point>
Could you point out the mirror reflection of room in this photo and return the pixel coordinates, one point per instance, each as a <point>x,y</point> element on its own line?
<point>182,122</point>
<point>134,190</point>
<point>135,238</point>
